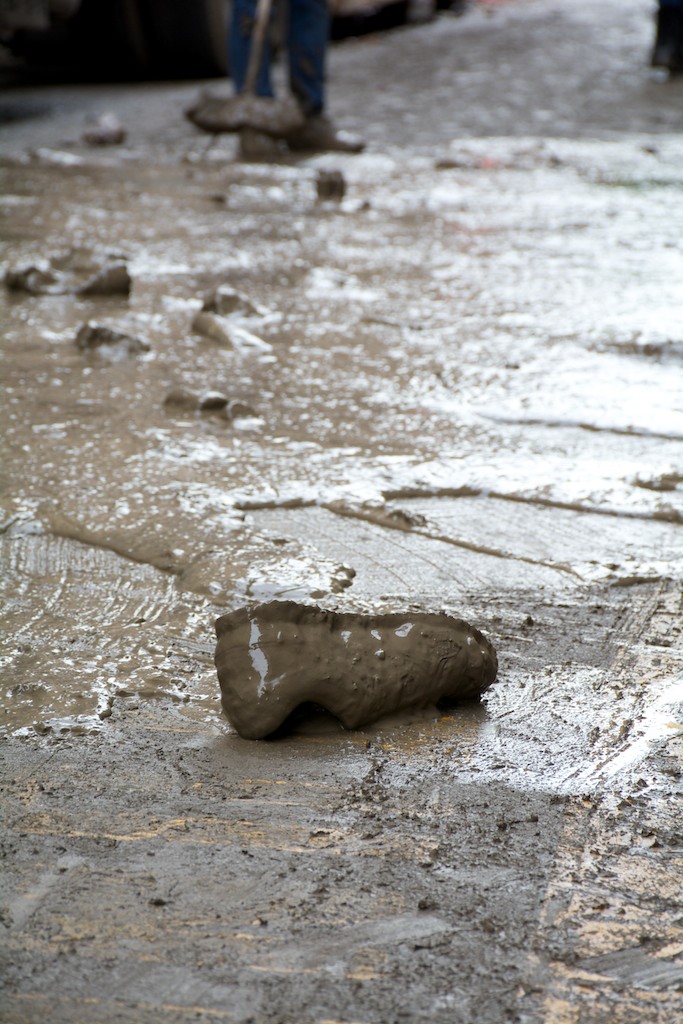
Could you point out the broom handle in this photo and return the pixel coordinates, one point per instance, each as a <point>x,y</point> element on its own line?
<point>258,36</point>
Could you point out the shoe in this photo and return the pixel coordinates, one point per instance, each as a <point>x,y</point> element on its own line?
<point>256,145</point>
<point>318,135</point>
<point>668,49</point>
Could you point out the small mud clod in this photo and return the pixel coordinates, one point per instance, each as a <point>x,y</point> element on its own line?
<point>98,337</point>
<point>330,184</point>
<point>106,131</point>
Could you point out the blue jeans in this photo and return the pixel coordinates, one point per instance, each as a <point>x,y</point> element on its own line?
<point>307,33</point>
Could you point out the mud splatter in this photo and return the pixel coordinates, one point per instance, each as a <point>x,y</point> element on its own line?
<point>277,656</point>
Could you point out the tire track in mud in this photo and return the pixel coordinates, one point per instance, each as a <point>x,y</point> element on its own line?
<point>61,526</point>
<point>649,650</point>
<point>85,628</point>
<point>584,724</point>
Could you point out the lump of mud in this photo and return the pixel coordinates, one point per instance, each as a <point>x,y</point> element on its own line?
<point>106,131</point>
<point>193,401</point>
<point>112,279</point>
<point>228,301</point>
<point>184,400</point>
<point>664,482</point>
<point>223,332</point>
<point>237,410</point>
<point>330,184</point>
<point>276,656</point>
<point>76,272</point>
<point>34,279</point>
<point>112,343</point>
<point>222,318</point>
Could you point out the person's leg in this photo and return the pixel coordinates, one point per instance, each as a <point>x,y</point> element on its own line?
<point>668,48</point>
<point>307,38</point>
<point>239,47</point>
<point>308,30</point>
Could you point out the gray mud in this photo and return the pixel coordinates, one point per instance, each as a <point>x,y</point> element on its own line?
<point>274,657</point>
<point>456,387</point>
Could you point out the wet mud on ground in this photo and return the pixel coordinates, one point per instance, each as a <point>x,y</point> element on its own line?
<point>456,388</point>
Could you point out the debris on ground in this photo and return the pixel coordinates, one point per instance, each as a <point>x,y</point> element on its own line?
<point>330,184</point>
<point>75,272</point>
<point>113,343</point>
<point>211,402</point>
<point>277,656</point>
<point>107,131</point>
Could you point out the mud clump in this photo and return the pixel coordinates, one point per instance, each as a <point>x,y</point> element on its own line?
<point>276,656</point>
<point>665,482</point>
<point>192,401</point>
<point>112,279</point>
<point>106,131</point>
<point>182,400</point>
<point>228,301</point>
<point>73,273</point>
<point>223,332</point>
<point>106,341</point>
<point>222,319</point>
<point>330,184</point>
<point>34,279</point>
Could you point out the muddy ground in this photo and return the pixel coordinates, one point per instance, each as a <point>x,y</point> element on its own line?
<point>457,388</point>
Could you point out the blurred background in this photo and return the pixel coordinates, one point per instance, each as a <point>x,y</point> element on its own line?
<point>154,39</point>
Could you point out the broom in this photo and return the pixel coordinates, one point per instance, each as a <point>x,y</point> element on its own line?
<point>247,110</point>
